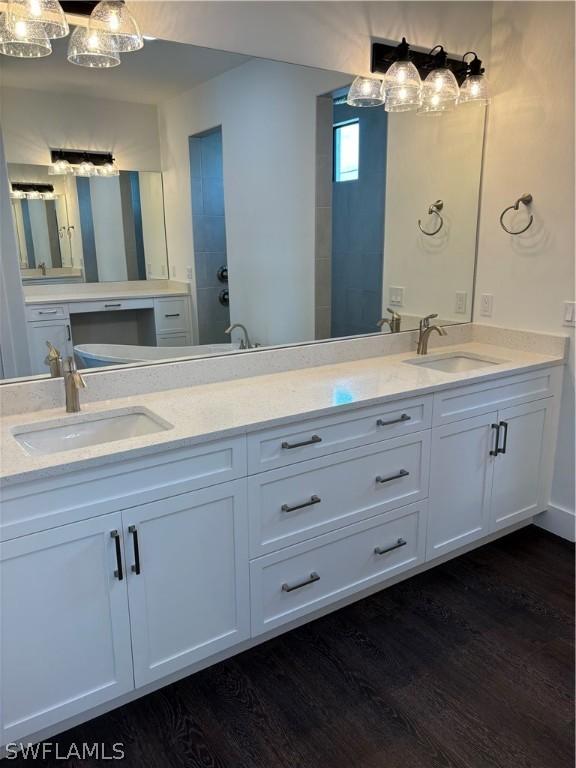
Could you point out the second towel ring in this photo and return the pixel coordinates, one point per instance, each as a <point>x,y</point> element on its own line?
<point>525,200</point>
<point>434,208</point>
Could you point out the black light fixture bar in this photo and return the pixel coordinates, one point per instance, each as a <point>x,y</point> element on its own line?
<point>78,7</point>
<point>77,156</point>
<point>21,186</point>
<point>385,54</point>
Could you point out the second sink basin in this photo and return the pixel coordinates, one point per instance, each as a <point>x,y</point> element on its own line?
<point>91,429</point>
<point>454,362</point>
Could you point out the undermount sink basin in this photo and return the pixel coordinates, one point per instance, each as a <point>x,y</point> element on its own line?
<point>93,429</point>
<point>454,362</point>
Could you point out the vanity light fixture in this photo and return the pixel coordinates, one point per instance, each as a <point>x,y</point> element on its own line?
<point>89,48</point>
<point>366,92</point>
<point>402,85</point>
<point>81,162</point>
<point>475,86</point>
<point>36,18</point>
<point>21,190</point>
<point>440,88</point>
<point>116,26</point>
<point>16,43</point>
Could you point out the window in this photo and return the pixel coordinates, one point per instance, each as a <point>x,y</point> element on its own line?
<point>346,150</point>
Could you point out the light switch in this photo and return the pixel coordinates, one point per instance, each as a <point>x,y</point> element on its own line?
<point>486,304</point>
<point>461,302</point>
<point>570,313</point>
<point>396,296</point>
<point>189,273</point>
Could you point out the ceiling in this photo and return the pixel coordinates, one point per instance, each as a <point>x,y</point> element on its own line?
<point>160,70</point>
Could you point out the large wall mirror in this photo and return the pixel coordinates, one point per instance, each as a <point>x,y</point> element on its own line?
<point>248,194</point>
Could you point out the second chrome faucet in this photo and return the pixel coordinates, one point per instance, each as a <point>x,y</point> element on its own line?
<point>425,332</point>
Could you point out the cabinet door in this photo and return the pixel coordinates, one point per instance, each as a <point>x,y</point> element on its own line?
<point>65,632</point>
<point>55,331</point>
<point>519,488</point>
<point>460,483</point>
<point>187,578</point>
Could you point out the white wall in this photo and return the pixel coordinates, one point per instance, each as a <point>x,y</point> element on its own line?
<point>530,148</point>
<point>430,158</point>
<point>153,231</point>
<point>35,121</point>
<point>267,111</point>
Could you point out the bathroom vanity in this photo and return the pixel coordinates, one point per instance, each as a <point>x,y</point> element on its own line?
<point>225,513</point>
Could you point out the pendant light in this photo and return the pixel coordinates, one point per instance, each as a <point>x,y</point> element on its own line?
<point>116,26</point>
<point>107,170</point>
<point>40,17</point>
<point>402,85</point>
<point>366,92</point>
<point>475,86</point>
<point>440,89</point>
<point>86,49</point>
<point>85,169</point>
<point>60,167</point>
<point>17,43</point>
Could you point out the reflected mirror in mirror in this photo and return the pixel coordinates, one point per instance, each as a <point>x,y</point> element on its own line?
<point>253,207</point>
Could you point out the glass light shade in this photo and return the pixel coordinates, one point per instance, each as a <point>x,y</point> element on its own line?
<point>39,16</point>
<point>17,194</point>
<point>116,25</point>
<point>440,92</point>
<point>86,168</point>
<point>33,195</point>
<point>402,87</point>
<point>85,49</point>
<point>48,195</point>
<point>60,168</point>
<point>15,42</point>
<point>366,92</point>
<point>107,170</point>
<point>475,89</point>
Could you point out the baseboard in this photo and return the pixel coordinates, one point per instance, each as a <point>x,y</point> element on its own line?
<point>558,520</point>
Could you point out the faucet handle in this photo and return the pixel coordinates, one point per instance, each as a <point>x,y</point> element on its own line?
<point>425,322</point>
<point>395,315</point>
<point>71,370</point>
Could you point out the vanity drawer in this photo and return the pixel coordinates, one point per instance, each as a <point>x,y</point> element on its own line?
<point>171,315</point>
<point>293,443</point>
<point>296,503</point>
<point>289,584</point>
<point>33,506</point>
<point>46,312</point>
<point>476,399</point>
<point>109,305</point>
<point>173,340</point>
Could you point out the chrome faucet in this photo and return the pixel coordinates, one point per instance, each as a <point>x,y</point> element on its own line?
<point>53,360</point>
<point>425,330</point>
<point>73,383</point>
<point>393,322</point>
<point>42,268</point>
<point>245,343</point>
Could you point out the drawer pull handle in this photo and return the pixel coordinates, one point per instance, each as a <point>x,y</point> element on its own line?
<point>291,587</point>
<point>174,314</point>
<point>402,473</point>
<point>494,451</point>
<point>383,550</point>
<point>47,311</point>
<point>136,567</point>
<point>113,305</point>
<point>399,420</point>
<point>313,439</point>
<point>503,424</point>
<point>313,500</point>
<point>118,573</point>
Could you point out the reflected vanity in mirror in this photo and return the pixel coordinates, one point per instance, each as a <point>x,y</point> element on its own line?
<point>231,221</point>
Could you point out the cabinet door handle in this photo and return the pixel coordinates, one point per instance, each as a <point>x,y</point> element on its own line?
<point>68,334</point>
<point>313,500</point>
<point>399,420</point>
<point>310,580</point>
<point>383,550</point>
<point>118,572</point>
<point>174,314</point>
<point>313,439</point>
<point>136,567</point>
<point>503,424</point>
<point>402,473</point>
<point>112,305</point>
<point>494,451</point>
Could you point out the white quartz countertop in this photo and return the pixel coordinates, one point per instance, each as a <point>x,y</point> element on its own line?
<point>73,292</point>
<point>211,411</point>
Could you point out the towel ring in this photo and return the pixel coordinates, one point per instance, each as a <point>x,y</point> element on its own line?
<point>434,208</point>
<point>525,200</point>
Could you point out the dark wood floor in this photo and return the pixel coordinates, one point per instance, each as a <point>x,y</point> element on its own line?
<point>467,665</point>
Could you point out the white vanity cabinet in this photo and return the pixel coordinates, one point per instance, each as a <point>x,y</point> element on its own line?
<point>57,332</point>
<point>65,631</point>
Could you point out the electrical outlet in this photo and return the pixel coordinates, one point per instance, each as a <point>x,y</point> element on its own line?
<point>189,273</point>
<point>570,313</point>
<point>486,304</point>
<point>148,267</point>
<point>396,296</point>
<point>461,302</point>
